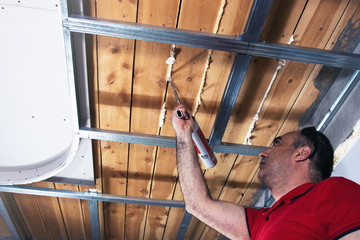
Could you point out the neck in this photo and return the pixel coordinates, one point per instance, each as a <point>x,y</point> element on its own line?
<point>284,187</point>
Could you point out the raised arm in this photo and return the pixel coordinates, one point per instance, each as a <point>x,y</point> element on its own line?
<point>225,217</point>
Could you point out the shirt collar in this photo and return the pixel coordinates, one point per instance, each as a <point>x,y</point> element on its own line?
<point>297,192</point>
<point>290,196</point>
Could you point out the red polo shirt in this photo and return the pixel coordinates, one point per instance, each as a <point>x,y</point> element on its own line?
<point>328,210</point>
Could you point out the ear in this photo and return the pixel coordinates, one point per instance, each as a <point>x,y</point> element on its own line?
<point>303,153</point>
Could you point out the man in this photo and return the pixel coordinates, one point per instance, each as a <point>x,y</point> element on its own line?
<point>294,168</point>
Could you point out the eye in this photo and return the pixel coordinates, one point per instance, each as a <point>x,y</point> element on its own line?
<point>275,142</point>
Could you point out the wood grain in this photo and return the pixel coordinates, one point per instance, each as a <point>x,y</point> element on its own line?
<point>115,72</point>
<point>51,213</point>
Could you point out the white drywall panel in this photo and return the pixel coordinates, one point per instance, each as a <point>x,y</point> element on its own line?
<point>37,137</point>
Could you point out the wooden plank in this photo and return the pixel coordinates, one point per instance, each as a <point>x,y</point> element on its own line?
<point>50,210</point>
<point>293,76</point>
<point>278,28</point>
<point>115,64</point>
<point>15,215</point>
<point>149,87</point>
<point>163,13</point>
<point>71,210</point>
<point>282,19</point>
<point>148,92</point>
<point>309,92</point>
<point>174,216</point>
<point>30,212</point>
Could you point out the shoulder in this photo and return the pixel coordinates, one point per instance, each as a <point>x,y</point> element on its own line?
<point>339,184</point>
<point>338,205</point>
<point>338,195</point>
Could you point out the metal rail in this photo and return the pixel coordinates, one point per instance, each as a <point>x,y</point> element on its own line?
<point>163,141</point>
<point>90,196</point>
<point>343,95</point>
<point>8,221</point>
<point>94,219</point>
<point>233,86</point>
<point>122,29</point>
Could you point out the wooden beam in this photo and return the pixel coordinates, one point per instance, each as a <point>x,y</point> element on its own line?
<point>115,72</point>
<point>71,210</point>
<point>148,97</point>
<point>51,213</point>
<point>30,212</point>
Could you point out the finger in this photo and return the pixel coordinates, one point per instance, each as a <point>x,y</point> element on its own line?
<point>181,112</point>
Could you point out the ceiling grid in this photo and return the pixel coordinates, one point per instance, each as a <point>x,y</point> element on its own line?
<point>136,170</point>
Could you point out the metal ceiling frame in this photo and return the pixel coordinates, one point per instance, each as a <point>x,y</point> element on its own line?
<point>139,31</point>
<point>8,221</point>
<point>245,47</point>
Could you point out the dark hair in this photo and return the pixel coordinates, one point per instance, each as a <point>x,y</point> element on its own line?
<point>322,153</point>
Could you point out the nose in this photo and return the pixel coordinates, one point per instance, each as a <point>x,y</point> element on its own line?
<point>264,153</point>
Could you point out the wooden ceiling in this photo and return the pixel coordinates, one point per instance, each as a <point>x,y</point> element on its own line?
<point>128,89</point>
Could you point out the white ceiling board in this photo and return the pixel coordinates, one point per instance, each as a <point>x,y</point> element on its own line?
<point>81,170</point>
<point>39,4</point>
<point>37,122</point>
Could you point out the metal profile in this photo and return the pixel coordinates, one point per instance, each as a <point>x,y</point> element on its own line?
<point>8,221</point>
<point>236,78</point>
<point>349,86</point>
<point>122,29</point>
<point>163,141</point>
<point>304,54</point>
<point>256,21</point>
<point>94,219</point>
<point>90,196</point>
<point>139,31</point>
<point>184,225</point>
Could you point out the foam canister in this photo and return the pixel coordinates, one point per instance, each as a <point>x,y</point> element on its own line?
<point>203,148</point>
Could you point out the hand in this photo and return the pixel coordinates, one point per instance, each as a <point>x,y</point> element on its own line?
<point>182,125</point>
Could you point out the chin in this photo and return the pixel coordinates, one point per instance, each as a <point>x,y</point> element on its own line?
<point>261,177</point>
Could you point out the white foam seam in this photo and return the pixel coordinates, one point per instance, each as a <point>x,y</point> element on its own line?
<point>170,61</point>
<point>256,117</point>
<point>162,116</point>
<point>208,59</point>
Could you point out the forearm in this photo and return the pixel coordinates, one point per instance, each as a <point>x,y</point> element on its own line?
<point>225,217</point>
<point>192,182</point>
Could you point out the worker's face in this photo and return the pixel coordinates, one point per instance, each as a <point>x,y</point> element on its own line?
<point>276,162</point>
